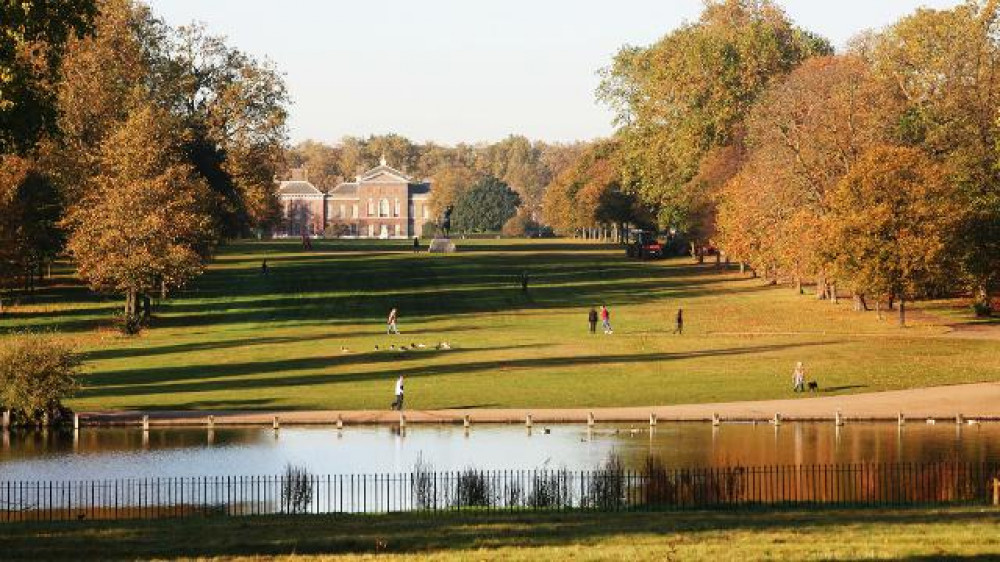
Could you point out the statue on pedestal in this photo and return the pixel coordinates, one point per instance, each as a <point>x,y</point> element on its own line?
<point>446,222</point>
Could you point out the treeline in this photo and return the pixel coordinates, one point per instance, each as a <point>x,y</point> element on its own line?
<point>465,176</point>
<point>130,145</point>
<point>875,171</point>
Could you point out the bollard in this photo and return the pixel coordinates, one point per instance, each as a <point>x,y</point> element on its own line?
<point>900,419</point>
<point>838,419</point>
<point>340,422</point>
<point>777,419</point>
<point>402,420</point>
<point>715,420</point>
<point>76,422</point>
<point>590,419</point>
<point>527,421</point>
<point>6,420</point>
<point>996,492</point>
<point>275,423</point>
<point>652,419</point>
<point>958,419</point>
<point>466,422</point>
<point>211,422</point>
<point>145,423</point>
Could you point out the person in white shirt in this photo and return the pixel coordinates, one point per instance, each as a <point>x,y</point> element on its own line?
<point>799,378</point>
<point>398,403</point>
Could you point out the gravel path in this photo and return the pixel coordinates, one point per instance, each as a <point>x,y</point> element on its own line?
<point>974,401</point>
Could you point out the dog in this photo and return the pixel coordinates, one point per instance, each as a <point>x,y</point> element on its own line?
<point>813,386</point>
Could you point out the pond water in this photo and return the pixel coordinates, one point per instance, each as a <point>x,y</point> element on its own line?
<point>123,453</point>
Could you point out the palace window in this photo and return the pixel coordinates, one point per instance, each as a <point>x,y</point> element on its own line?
<point>397,231</point>
<point>354,211</point>
<point>383,208</point>
<point>395,211</point>
<point>371,208</point>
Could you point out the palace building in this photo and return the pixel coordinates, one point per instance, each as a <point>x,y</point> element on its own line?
<point>381,203</point>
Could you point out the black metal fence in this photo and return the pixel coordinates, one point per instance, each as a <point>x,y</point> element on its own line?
<point>654,488</point>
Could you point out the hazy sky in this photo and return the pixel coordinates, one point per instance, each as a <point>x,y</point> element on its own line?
<point>468,70</point>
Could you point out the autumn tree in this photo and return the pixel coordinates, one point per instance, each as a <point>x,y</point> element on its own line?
<point>485,207</point>
<point>33,35</point>
<point>945,64</point>
<point>689,93</point>
<point>143,223</point>
<point>322,162</point>
<point>804,134</point>
<point>451,183</point>
<point>893,219</point>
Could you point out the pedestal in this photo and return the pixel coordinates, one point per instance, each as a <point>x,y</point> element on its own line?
<point>441,246</point>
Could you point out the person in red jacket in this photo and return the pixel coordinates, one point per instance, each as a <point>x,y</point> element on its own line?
<point>606,320</point>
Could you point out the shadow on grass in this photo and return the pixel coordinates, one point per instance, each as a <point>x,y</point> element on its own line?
<point>169,380</point>
<point>462,535</point>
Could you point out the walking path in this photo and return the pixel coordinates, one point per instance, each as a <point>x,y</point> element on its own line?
<point>973,401</point>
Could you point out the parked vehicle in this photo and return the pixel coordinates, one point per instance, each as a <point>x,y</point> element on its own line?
<point>643,244</point>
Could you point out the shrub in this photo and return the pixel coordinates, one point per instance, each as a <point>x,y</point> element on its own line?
<point>423,484</point>
<point>606,487</point>
<point>37,372</point>
<point>296,489</point>
<point>472,489</point>
<point>550,490</point>
<point>982,309</point>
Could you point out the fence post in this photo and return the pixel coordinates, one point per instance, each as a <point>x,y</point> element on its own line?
<point>145,423</point>
<point>900,419</point>
<point>838,419</point>
<point>275,424</point>
<point>996,492</point>
<point>715,419</point>
<point>527,421</point>
<point>590,419</point>
<point>340,422</point>
<point>777,419</point>
<point>76,422</point>
<point>958,419</point>
<point>6,420</point>
<point>652,419</point>
<point>211,422</point>
<point>466,421</point>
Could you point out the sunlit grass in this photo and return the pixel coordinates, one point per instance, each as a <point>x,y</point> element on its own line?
<point>305,335</point>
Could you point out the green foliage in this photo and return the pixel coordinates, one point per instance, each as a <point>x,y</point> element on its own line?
<point>486,207</point>
<point>37,372</point>
<point>33,35</point>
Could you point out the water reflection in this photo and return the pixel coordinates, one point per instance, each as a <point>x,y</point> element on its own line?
<point>123,453</point>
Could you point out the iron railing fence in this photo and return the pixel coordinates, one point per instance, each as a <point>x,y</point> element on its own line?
<point>503,490</point>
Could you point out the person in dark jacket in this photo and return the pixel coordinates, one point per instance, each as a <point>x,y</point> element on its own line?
<point>679,324</point>
<point>592,318</point>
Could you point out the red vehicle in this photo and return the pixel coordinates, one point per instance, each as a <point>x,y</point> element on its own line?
<point>642,244</point>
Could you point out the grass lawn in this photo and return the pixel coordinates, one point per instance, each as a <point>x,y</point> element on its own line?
<point>238,340</point>
<point>912,534</point>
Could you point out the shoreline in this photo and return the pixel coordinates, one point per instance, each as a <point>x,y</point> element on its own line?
<point>947,404</point>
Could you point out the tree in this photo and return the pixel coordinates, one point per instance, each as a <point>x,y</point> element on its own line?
<point>486,207</point>
<point>804,134</point>
<point>321,160</point>
<point>32,37</point>
<point>518,163</point>
<point>451,183</point>
<point>233,111</point>
<point>689,93</point>
<point>894,220</point>
<point>36,373</point>
<point>143,224</point>
<point>945,64</point>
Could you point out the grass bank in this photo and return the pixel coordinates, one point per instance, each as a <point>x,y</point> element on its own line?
<point>912,534</point>
<point>304,336</point>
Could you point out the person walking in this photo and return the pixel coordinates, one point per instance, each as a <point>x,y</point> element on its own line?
<point>397,404</point>
<point>679,322</point>
<point>391,323</point>
<point>263,267</point>
<point>606,319</point>
<point>416,244</point>
<point>799,378</point>
<point>592,318</point>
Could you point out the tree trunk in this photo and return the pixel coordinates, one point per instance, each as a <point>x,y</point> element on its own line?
<point>834,298</point>
<point>743,267</point>
<point>878,309</point>
<point>718,260</point>
<point>820,288</point>
<point>798,284</point>
<point>902,311</point>
<point>983,298</point>
<point>163,290</point>
<point>147,307</point>
<point>892,300</point>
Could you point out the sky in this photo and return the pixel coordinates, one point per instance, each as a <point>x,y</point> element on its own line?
<point>454,71</point>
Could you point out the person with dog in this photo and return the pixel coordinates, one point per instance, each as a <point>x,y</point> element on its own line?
<point>592,318</point>
<point>397,404</point>
<point>799,378</point>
